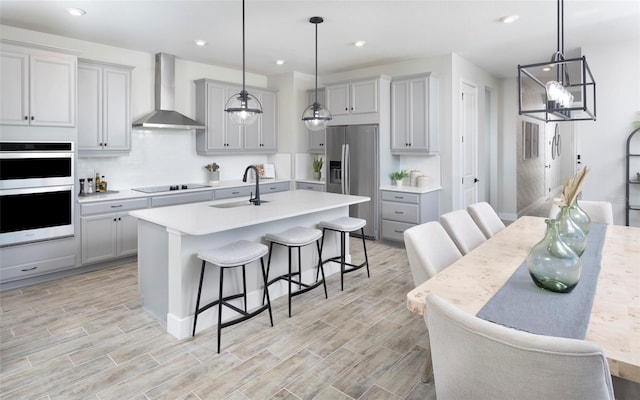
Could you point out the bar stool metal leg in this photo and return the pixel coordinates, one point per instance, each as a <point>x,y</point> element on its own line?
<point>220,300</point>
<point>296,238</point>
<point>195,314</point>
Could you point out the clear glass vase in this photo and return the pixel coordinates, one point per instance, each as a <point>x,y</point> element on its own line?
<point>579,216</point>
<point>570,232</point>
<point>552,264</point>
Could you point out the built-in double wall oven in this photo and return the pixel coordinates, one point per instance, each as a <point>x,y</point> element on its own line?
<point>36,191</point>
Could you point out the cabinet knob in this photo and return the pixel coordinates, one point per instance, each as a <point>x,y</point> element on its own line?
<point>32,117</point>
<point>346,109</point>
<point>26,118</point>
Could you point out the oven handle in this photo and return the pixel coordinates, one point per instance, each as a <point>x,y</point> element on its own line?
<point>43,189</point>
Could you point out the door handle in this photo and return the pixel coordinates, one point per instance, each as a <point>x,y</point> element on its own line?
<point>475,180</point>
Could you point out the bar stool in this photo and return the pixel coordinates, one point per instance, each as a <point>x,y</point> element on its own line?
<point>345,225</point>
<point>297,237</point>
<point>233,255</point>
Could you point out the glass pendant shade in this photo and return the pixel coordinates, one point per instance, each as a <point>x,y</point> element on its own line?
<point>243,108</point>
<point>316,117</point>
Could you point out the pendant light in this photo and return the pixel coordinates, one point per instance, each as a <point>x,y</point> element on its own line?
<point>243,108</point>
<point>562,89</point>
<point>316,116</point>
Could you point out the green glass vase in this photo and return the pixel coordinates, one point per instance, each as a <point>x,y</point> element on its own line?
<point>552,264</point>
<point>570,232</point>
<point>580,217</point>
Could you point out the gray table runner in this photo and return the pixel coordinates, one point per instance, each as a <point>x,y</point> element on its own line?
<point>522,305</point>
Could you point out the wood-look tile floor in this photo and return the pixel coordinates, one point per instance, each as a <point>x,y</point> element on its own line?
<point>87,337</point>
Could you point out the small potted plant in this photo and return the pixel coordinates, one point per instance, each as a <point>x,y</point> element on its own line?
<point>398,176</point>
<point>317,168</point>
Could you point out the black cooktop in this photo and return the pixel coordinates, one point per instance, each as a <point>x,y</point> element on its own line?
<point>168,188</point>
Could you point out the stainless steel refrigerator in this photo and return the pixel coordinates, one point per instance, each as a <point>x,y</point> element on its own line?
<point>352,168</point>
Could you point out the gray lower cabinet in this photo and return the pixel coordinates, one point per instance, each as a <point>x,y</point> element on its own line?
<point>402,210</point>
<point>108,231</point>
<point>40,258</point>
<point>274,187</point>
<point>247,190</point>
<point>318,187</point>
<point>184,198</point>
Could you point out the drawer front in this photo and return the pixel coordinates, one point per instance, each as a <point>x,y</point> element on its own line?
<point>318,187</point>
<point>36,268</point>
<point>274,187</point>
<point>185,198</point>
<point>233,192</point>
<point>400,212</point>
<point>394,230</point>
<point>113,206</point>
<point>400,197</point>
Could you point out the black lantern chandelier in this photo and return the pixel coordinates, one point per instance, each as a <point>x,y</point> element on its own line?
<point>562,89</point>
<point>243,108</point>
<point>316,116</point>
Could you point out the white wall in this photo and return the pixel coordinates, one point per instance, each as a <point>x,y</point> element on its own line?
<point>507,150</point>
<point>602,144</point>
<point>464,71</point>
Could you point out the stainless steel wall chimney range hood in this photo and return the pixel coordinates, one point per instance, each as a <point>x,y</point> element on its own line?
<point>164,117</point>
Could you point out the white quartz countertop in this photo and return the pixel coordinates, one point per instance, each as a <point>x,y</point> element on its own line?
<point>130,193</point>
<point>410,189</point>
<point>203,219</point>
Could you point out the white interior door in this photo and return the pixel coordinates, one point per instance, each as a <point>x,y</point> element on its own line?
<point>469,144</point>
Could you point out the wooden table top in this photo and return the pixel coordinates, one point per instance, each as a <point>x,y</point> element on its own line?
<point>615,317</point>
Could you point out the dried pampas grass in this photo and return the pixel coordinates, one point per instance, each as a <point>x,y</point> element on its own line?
<point>572,187</point>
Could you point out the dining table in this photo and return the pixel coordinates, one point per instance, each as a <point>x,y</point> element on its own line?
<point>614,323</point>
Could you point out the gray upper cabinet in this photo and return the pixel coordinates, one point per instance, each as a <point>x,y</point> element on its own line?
<point>221,134</point>
<point>261,135</point>
<point>37,87</point>
<point>414,116</point>
<point>360,101</point>
<point>104,109</point>
<point>357,97</point>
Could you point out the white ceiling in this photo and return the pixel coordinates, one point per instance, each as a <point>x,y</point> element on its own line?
<point>394,30</point>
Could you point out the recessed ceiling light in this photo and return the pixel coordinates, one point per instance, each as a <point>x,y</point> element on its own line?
<point>509,19</point>
<point>200,42</point>
<point>76,11</point>
<point>280,62</point>
<point>360,43</point>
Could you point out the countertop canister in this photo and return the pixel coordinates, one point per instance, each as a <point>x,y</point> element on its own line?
<point>413,177</point>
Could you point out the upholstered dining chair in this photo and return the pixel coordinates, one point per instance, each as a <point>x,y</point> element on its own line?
<point>464,232</point>
<point>486,218</point>
<point>598,211</point>
<point>477,359</point>
<point>429,249</point>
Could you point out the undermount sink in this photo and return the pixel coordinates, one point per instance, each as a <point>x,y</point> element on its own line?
<point>236,204</point>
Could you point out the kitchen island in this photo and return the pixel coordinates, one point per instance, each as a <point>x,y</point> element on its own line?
<point>169,239</point>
